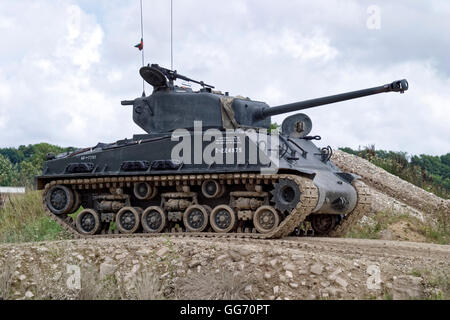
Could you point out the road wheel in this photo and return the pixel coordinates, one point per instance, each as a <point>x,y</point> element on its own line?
<point>323,224</point>
<point>153,220</point>
<point>266,219</point>
<point>88,222</point>
<point>128,220</point>
<point>222,219</point>
<point>59,199</point>
<point>195,218</point>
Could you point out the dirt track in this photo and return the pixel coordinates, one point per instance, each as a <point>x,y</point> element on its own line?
<point>291,268</point>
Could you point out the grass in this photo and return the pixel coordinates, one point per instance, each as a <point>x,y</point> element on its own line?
<point>438,232</point>
<point>438,280</point>
<point>382,221</point>
<point>23,219</point>
<point>148,287</point>
<point>416,273</point>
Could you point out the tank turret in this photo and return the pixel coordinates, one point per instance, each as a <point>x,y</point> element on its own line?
<point>170,107</point>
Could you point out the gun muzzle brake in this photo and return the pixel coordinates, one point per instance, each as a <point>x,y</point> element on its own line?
<point>399,86</point>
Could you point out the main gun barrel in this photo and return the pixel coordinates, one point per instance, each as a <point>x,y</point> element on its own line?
<point>127,102</point>
<point>396,86</point>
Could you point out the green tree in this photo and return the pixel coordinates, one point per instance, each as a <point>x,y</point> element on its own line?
<point>28,170</point>
<point>20,166</point>
<point>8,172</point>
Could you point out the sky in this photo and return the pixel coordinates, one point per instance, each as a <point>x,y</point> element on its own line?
<point>65,65</point>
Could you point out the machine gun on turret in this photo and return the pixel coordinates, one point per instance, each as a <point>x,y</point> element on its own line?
<point>156,76</point>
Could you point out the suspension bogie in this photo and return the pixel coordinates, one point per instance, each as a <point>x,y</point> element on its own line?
<point>266,206</point>
<point>145,207</point>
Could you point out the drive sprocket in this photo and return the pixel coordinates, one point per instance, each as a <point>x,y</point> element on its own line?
<point>286,195</point>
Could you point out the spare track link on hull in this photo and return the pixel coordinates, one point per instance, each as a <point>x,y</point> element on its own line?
<point>363,206</point>
<point>308,201</point>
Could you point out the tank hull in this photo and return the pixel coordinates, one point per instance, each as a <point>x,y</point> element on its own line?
<point>153,157</point>
<point>104,179</point>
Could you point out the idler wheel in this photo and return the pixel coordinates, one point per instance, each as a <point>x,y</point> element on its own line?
<point>322,224</point>
<point>76,202</point>
<point>222,219</point>
<point>88,222</point>
<point>266,219</point>
<point>286,195</point>
<point>144,191</point>
<point>59,199</point>
<point>128,220</point>
<point>212,189</point>
<point>195,218</point>
<point>153,220</point>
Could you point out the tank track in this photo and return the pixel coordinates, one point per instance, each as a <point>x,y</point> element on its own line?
<point>307,203</point>
<point>363,206</point>
<point>308,200</point>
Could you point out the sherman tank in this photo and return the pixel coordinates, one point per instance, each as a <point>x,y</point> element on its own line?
<point>209,165</point>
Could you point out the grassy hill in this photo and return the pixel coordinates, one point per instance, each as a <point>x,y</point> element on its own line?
<point>431,173</point>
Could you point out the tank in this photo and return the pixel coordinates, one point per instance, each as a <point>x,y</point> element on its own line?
<point>209,164</point>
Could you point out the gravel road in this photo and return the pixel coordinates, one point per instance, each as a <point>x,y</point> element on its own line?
<point>198,268</point>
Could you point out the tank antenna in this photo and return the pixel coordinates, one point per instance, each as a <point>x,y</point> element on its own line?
<point>171,34</point>
<point>142,43</point>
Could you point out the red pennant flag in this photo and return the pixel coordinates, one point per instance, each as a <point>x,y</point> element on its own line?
<point>140,45</point>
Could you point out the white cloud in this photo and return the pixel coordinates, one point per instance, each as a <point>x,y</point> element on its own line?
<point>82,39</point>
<point>56,98</point>
<point>307,48</point>
<point>66,69</point>
<point>5,22</point>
